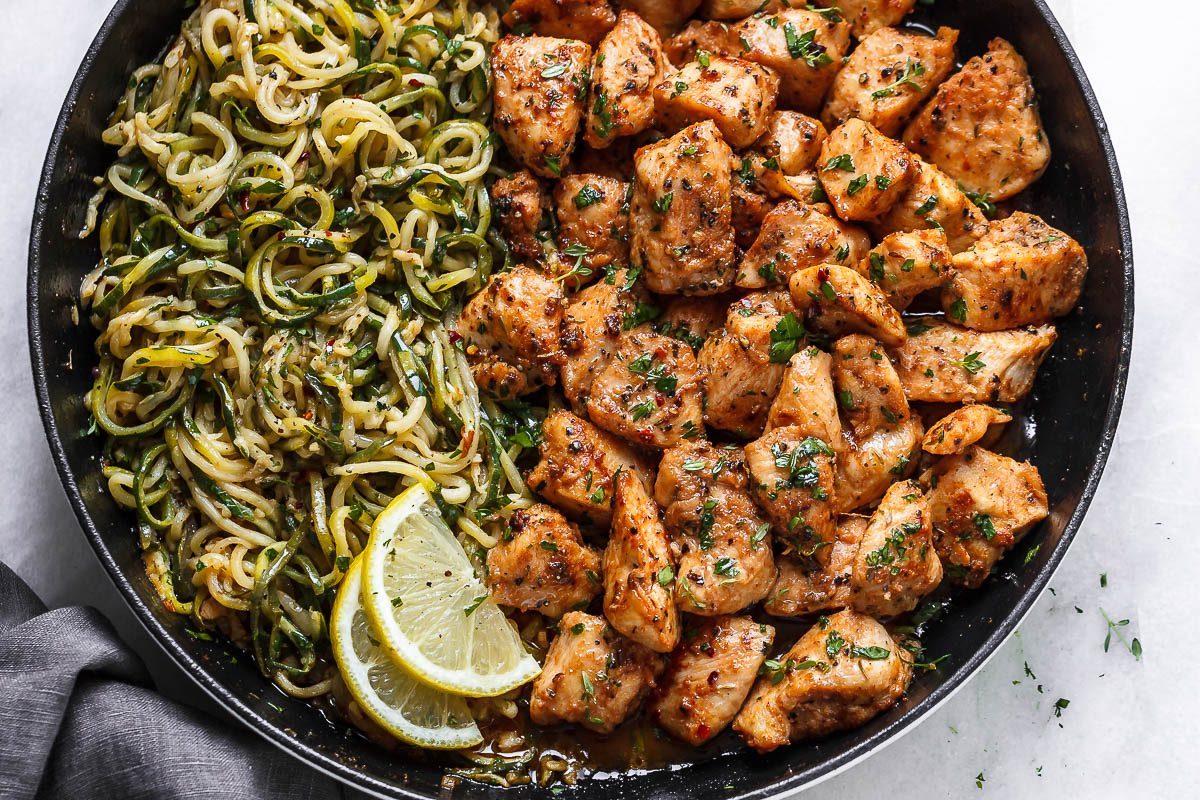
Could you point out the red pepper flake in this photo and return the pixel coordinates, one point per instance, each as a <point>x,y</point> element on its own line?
<point>703,730</point>
<point>823,274</point>
<point>308,415</point>
<point>455,337</point>
<point>415,82</point>
<point>645,434</point>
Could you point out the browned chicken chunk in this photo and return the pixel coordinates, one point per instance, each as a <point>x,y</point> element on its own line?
<point>868,389</point>
<point>868,16</point>
<point>513,331</point>
<point>792,476</point>
<point>888,77</point>
<point>806,398</point>
<point>983,128</point>
<point>629,62</point>
<point>903,265</point>
<point>793,140</point>
<point>541,564</point>
<point>693,319</point>
<point>715,38</point>
<point>592,324</point>
<point>795,236</point>
<point>638,570</point>
<point>803,46</point>
<point>869,466</point>
<point>804,587</point>
<point>517,201</point>
<point>982,504</point>
<point>1020,272</point>
<point>962,428</point>
<point>837,300</point>
<point>840,674</point>
<point>593,224</point>
<point>726,563</point>
<point>896,564</point>
<point>743,377</point>
<point>943,363</point>
<point>709,676</point>
<point>739,96</point>
<point>934,201</point>
<point>864,173</point>
<point>667,16</point>
<point>539,85</point>
<point>650,393</point>
<point>588,20</point>
<point>749,210</point>
<point>592,676</point>
<point>578,464</point>
<point>680,225</point>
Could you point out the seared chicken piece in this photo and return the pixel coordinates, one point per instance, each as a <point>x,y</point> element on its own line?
<point>592,676</point>
<point>749,211</point>
<point>588,20</point>
<point>888,77</point>
<point>709,677</point>
<point>868,16</point>
<point>792,476</point>
<point>868,389</point>
<point>739,96</point>
<point>743,377</point>
<point>593,219</point>
<point>982,504</point>
<point>806,398</point>
<point>837,300</point>
<point>864,172</point>
<point>840,674</point>
<point>726,563</point>
<point>650,393</point>
<point>538,108</point>
<point>667,16</point>
<point>578,464</point>
<point>943,363</point>
<point>795,236</point>
<point>802,588</point>
<point>593,322</point>
<point>693,319</point>
<point>793,140</point>
<point>962,428</point>
<point>638,570</point>
<point>934,201</point>
<point>906,264</point>
<point>541,564</point>
<point>682,236</point>
<point>866,469</point>
<point>629,62</point>
<point>711,37</point>
<point>983,128</point>
<point>896,564</point>
<point>518,201</point>
<point>513,331</point>
<point>803,46</point>
<point>1020,272</point>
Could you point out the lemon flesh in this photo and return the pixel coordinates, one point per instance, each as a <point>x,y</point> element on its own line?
<point>408,709</point>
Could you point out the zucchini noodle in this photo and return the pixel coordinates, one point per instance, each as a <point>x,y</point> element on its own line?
<point>297,208</point>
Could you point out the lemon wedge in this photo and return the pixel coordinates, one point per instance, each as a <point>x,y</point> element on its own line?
<point>405,707</point>
<point>432,613</point>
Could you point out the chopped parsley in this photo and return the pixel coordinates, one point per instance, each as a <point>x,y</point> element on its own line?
<point>588,196</point>
<point>786,338</point>
<point>803,45</point>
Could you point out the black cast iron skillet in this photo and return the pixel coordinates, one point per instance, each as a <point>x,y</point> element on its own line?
<point>1073,417</point>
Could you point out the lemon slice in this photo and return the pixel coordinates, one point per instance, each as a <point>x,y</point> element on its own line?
<point>407,708</point>
<point>433,614</point>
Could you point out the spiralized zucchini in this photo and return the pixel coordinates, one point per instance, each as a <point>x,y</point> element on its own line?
<point>297,208</point>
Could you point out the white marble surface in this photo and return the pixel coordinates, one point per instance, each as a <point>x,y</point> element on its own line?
<point>1128,729</point>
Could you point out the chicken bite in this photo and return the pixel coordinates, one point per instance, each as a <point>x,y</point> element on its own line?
<point>578,464</point>
<point>903,265</point>
<point>837,300</point>
<point>792,477</point>
<point>518,201</point>
<point>638,570</point>
<point>982,504</point>
<point>693,319</point>
<point>804,587</point>
<point>539,85</point>
<point>667,16</point>
<point>942,363</point>
<point>715,38</point>
<point>804,47</point>
<point>983,128</point>
<point>868,389</point>
<point>629,62</point>
<point>592,325</point>
<point>896,564</point>
<point>934,201</point>
<point>806,398</point>
<point>587,20</point>
<point>739,96</point>
<point>864,173</point>
<point>513,330</point>
<point>743,375</point>
<point>868,16</point>
<point>593,224</point>
<point>793,140</point>
<point>795,236</point>
<point>681,231</point>
<point>1020,272</point>
<point>726,563</point>
<point>869,466</point>
<point>845,670</point>
<point>541,564</point>
<point>650,392</point>
<point>962,428</point>
<point>888,77</point>
<point>709,676</point>
<point>592,676</point>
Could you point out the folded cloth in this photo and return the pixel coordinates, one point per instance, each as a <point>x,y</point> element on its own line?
<point>79,719</point>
